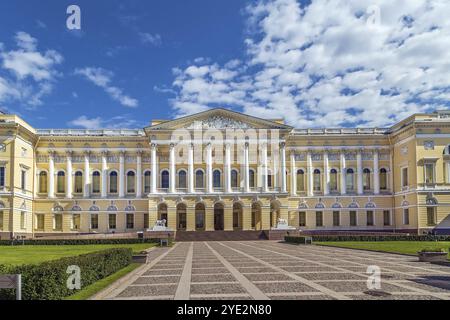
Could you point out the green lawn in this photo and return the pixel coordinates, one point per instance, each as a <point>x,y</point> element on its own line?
<point>405,247</point>
<point>21,254</point>
<point>89,291</point>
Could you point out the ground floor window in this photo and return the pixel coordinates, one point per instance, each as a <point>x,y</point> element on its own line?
<point>302,219</point>
<point>370,218</point>
<point>336,218</point>
<point>146,221</point>
<point>431,216</point>
<point>319,218</point>
<point>112,221</point>
<point>406,216</point>
<point>40,221</point>
<point>57,222</point>
<point>23,220</point>
<point>76,218</point>
<point>130,221</point>
<point>353,219</point>
<point>387,217</point>
<point>94,221</point>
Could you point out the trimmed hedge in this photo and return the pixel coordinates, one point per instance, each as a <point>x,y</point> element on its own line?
<point>57,242</point>
<point>48,280</point>
<point>295,239</point>
<point>337,238</point>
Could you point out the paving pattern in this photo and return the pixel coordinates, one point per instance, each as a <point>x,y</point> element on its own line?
<point>271,270</point>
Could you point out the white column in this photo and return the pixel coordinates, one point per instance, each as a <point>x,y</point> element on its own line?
<point>343,173</point>
<point>310,169</point>
<point>246,169</point>
<point>191,168</point>
<point>227,168</point>
<point>69,175</point>
<point>154,173</point>
<point>293,175</point>
<point>122,174</point>
<point>359,170</point>
<point>265,167</point>
<point>87,175</point>
<point>326,174</point>
<point>275,165</point>
<point>209,177</point>
<point>283,167</point>
<point>51,174</point>
<point>104,174</point>
<point>376,172</point>
<point>172,171</point>
<point>139,174</point>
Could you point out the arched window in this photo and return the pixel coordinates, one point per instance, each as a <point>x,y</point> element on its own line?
<point>383,179</point>
<point>251,175</point>
<point>182,179</point>
<point>43,182</point>
<point>96,182</point>
<point>165,179</point>
<point>316,180</point>
<point>131,181</point>
<point>78,182</point>
<point>147,181</point>
<point>216,179</point>
<point>61,182</point>
<point>300,180</point>
<point>234,178</point>
<point>113,182</point>
<point>366,179</point>
<point>333,180</point>
<point>199,179</point>
<point>349,180</point>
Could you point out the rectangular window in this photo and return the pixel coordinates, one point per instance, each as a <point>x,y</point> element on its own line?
<point>2,177</point>
<point>146,221</point>
<point>23,182</point>
<point>429,173</point>
<point>406,216</point>
<point>40,219</point>
<point>76,218</point>
<point>370,218</point>
<point>319,219</point>
<point>58,222</point>
<point>23,220</point>
<point>94,221</point>
<point>130,221</point>
<point>112,221</point>
<point>353,220</point>
<point>269,181</point>
<point>431,216</point>
<point>405,177</point>
<point>1,220</point>
<point>336,218</point>
<point>386,217</point>
<point>302,219</point>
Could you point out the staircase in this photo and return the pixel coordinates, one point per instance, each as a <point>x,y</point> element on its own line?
<point>219,236</point>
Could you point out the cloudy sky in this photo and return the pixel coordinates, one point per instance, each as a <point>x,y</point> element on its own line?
<point>319,63</point>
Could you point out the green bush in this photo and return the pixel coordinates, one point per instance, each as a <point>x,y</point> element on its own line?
<point>403,237</point>
<point>432,250</point>
<point>48,280</point>
<point>295,239</point>
<point>37,242</point>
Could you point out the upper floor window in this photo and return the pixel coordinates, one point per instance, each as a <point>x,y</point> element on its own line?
<point>383,179</point>
<point>300,180</point>
<point>78,182</point>
<point>96,182</point>
<point>61,182</point>
<point>405,182</point>
<point>165,179</point>
<point>147,181</point>
<point>113,182</point>
<point>366,179</point>
<point>316,180</point>
<point>333,180</point>
<point>199,179</point>
<point>182,179</point>
<point>429,173</point>
<point>234,179</point>
<point>23,179</point>
<point>2,177</point>
<point>349,180</point>
<point>131,181</point>
<point>43,182</point>
<point>251,175</point>
<point>216,179</point>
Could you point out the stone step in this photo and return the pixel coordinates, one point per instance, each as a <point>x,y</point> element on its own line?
<point>219,235</point>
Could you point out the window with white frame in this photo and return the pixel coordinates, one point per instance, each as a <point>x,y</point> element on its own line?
<point>319,219</point>
<point>147,181</point>
<point>182,179</point>
<point>96,182</point>
<point>112,221</point>
<point>131,182</point>
<point>43,182</point>
<point>130,221</point>
<point>78,182</point>
<point>383,179</point>
<point>333,180</point>
<point>40,221</point>
<point>94,221</point>
<point>350,180</point>
<point>317,180</point>
<point>57,221</point>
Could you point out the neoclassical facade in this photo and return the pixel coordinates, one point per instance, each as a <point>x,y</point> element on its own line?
<point>223,170</point>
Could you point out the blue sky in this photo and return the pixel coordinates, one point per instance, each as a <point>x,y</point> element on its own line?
<point>317,64</point>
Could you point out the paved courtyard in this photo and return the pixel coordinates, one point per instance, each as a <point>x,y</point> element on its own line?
<point>272,270</point>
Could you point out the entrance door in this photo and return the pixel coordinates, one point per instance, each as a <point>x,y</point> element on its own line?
<point>218,218</point>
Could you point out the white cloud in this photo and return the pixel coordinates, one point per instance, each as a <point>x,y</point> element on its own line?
<point>148,38</point>
<point>327,64</point>
<point>102,78</point>
<point>117,122</point>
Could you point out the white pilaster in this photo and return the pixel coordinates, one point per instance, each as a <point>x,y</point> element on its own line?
<point>209,176</point>
<point>326,174</point>
<point>104,174</point>
<point>69,175</point>
<point>51,175</point>
<point>139,174</point>
<point>172,171</point>
<point>376,172</point>
<point>293,175</point>
<point>343,173</point>
<point>227,168</point>
<point>87,175</point>
<point>154,173</point>
<point>283,167</point>
<point>359,170</point>
<point>191,168</point>
<point>310,170</point>
<point>122,174</point>
<point>246,169</point>
<point>265,167</point>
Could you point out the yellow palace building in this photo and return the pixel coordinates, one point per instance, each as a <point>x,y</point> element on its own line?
<point>223,170</point>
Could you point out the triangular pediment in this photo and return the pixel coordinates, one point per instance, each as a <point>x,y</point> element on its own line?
<point>220,119</point>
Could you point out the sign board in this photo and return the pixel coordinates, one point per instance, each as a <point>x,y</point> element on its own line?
<point>12,281</point>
